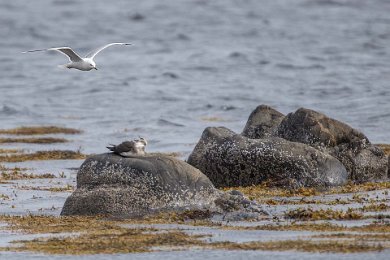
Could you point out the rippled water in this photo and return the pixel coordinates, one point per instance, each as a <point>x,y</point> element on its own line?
<point>191,61</point>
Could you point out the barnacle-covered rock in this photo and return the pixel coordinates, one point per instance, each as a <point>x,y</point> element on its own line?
<point>363,161</point>
<point>230,159</point>
<point>108,184</point>
<point>262,122</point>
<point>304,148</point>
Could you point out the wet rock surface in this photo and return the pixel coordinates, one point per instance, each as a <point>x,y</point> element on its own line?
<point>230,159</point>
<point>262,122</point>
<point>316,129</point>
<point>132,187</point>
<point>364,161</point>
<point>303,149</point>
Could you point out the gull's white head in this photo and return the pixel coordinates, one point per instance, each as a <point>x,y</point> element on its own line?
<point>92,64</point>
<point>143,140</point>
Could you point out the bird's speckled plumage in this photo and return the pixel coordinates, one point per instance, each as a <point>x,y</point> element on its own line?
<point>130,148</point>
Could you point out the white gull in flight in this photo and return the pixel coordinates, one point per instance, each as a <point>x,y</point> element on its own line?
<point>76,62</point>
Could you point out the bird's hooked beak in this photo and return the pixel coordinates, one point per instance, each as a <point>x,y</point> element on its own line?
<point>95,68</point>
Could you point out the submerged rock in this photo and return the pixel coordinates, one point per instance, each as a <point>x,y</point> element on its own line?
<point>129,187</point>
<point>230,159</point>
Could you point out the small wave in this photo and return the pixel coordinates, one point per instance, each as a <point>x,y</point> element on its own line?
<point>6,60</point>
<point>237,54</point>
<point>63,2</point>
<point>37,34</point>
<point>137,17</point>
<point>228,108</point>
<point>9,111</point>
<point>164,122</point>
<point>330,3</point>
<point>202,68</point>
<point>300,67</point>
<point>8,5</point>
<point>94,90</point>
<point>170,75</point>
<point>183,37</point>
<point>379,117</point>
<point>200,108</point>
<point>264,62</point>
<point>372,46</point>
<point>315,58</point>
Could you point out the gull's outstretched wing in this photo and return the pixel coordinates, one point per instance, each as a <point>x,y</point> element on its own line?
<point>64,50</point>
<point>92,54</point>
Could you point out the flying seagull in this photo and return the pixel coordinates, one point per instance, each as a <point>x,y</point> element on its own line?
<point>76,62</point>
<point>130,148</point>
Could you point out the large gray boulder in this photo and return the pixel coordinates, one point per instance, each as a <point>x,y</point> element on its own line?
<point>109,184</point>
<point>262,122</point>
<point>363,161</point>
<point>230,159</point>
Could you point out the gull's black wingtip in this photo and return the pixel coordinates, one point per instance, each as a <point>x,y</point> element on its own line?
<point>111,147</point>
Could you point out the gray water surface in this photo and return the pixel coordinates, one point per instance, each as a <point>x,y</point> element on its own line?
<point>193,60</point>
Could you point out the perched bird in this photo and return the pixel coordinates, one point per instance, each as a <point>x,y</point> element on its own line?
<point>130,148</point>
<point>76,62</point>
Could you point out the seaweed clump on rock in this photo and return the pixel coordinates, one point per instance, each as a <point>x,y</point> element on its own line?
<point>108,184</point>
<point>302,149</point>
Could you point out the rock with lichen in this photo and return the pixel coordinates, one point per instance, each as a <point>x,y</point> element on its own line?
<point>108,184</point>
<point>230,159</point>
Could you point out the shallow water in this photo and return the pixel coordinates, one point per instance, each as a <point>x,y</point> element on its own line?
<point>216,254</point>
<point>192,60</point>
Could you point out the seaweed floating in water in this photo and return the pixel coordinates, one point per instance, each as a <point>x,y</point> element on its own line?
<point>44,155</point>
<point>39,130</point>
<point>40,140</point>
